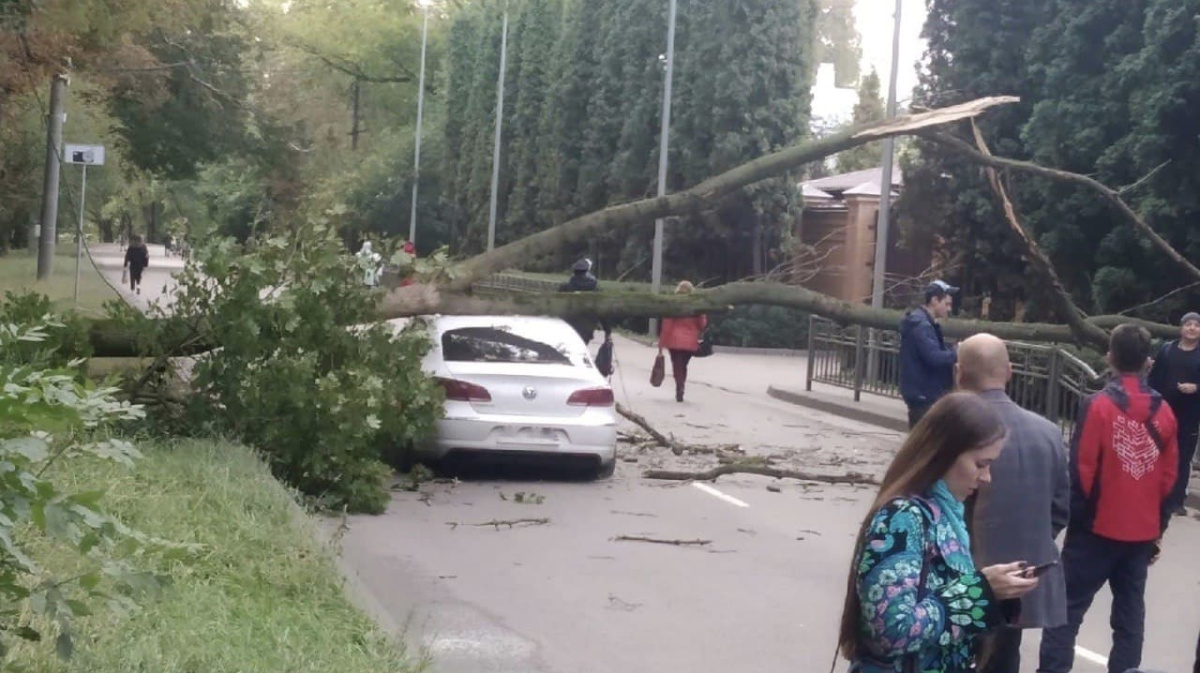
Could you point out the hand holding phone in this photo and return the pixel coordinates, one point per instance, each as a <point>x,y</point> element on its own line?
<point>1038,570</point>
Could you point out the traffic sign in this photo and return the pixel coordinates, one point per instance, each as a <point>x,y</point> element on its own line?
<point>87,155</point>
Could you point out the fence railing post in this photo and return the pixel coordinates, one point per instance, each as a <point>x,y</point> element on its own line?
<point>858,362</point>
<point>812,352</point>
<point>1053,385</point>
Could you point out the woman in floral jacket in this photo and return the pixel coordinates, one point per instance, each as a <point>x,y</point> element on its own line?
<point>915,602</point>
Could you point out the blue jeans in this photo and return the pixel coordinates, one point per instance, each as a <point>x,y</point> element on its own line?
<point>1090,562</point>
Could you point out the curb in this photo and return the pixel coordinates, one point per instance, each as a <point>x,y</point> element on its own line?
<point>839,409</point>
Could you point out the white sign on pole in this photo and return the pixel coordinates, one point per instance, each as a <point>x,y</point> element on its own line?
<point>87,155</point>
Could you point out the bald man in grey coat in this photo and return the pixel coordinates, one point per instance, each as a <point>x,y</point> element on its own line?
<point>1020,513</point>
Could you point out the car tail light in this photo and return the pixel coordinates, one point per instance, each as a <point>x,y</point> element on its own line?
<point>461,391</point>
<point>591,397</point>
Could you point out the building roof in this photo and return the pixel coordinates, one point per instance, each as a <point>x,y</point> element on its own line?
<point>868,188</point>
<point>845,182</point>
<point>811,192</point>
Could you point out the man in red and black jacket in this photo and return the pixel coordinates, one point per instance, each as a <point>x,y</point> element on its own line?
<point>1124,458</point>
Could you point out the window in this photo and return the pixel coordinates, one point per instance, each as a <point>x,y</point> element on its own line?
<point>496,344</point>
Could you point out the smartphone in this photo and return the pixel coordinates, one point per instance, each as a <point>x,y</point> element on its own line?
<point>1038,570</point>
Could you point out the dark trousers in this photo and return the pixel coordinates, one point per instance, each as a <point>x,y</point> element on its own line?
<point>1090,562</point>
<point>135,277</point>
<point>1189,428</point>
<point>915,414</point>
<point>679,365</point>
<point>1005,653</point>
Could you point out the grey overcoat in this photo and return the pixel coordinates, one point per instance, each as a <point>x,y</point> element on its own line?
<point>1018,516</point>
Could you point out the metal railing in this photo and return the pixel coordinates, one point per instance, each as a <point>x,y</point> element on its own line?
<point>1046,380</point>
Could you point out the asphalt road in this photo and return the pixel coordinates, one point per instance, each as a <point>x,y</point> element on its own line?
<point>764,595</point>
<point>565,596</point>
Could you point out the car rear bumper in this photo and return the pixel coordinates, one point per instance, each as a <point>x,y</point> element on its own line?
<point>587,436</point>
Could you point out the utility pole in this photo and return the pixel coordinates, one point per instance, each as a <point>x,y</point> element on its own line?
<point>354,124</point>
<point>885,200</point>
<point>412,222</point>
<point>663,143</point>
<point>50,184</point>
<point>79,232</point>
<point>885,187</point>
<point>491,236</point>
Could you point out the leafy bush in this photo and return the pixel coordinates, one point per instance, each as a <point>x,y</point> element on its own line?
<point>66,342</point>
<point>48,417</point>
<point>761,327</point>
<point>322,399</point>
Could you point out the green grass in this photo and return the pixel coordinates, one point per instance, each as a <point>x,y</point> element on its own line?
<point>264,596</point>
<point>18,272</point>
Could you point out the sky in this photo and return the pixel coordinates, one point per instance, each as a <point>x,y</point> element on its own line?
<point>874,20</point>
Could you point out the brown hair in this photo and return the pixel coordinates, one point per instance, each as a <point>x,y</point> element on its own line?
<point>958,423</point>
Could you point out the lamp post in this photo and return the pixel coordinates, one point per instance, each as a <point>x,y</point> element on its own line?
<point>412,222</point>
<point>491,236</point>
<point>664,137</point>
<point>885,187</point>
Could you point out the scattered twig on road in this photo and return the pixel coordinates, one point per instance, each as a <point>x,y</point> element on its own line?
<point>511,523</point>
<point>654,540</point>
<point>762,470</point>
<point>642,514</point>
<point>676,447</point>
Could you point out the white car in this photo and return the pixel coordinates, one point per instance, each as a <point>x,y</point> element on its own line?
<point>521,388</point>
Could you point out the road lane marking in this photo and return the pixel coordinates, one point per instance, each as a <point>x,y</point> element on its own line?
<point>714,492</point>
<point>1091,656</point>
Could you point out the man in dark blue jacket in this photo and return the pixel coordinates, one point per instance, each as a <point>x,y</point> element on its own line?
<point>926,363</point>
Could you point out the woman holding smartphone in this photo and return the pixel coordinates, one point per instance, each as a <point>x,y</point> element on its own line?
<point>915,600</point>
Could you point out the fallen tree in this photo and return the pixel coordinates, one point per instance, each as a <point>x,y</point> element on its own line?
<point>762,471</point>
<point>449,292</point>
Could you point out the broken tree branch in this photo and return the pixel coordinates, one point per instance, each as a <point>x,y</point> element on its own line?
<point>511,523</point>
<point>641,422</point>
<point>696,198</point>
<point>654,540</point>
<point>1110,195</point>
<point>763,471</point>
<point>1083,332</point>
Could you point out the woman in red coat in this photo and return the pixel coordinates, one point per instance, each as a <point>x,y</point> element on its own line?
<point>681,337</point>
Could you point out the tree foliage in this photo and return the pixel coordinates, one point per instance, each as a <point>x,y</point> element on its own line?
<point>49,420</point>
<point>583,94</point>
<point>323,400</point>
<point>869,108</point>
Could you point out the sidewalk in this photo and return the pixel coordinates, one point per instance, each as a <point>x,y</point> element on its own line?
<point>158,280</point>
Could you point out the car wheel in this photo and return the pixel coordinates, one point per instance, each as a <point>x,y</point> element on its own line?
<point>606,469</point>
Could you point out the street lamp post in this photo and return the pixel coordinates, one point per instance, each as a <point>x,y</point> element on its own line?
<point>664,137</point>
<point>885,187</point>
<point>491,235</point>
<point>412,222</point>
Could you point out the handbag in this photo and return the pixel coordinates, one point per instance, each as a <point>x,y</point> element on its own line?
<point>124,275</point>
<point>659,371</point>
<point>604,359</point>
<point>704,347</point>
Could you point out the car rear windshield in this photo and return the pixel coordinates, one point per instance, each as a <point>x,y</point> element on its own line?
<point>495,344</point>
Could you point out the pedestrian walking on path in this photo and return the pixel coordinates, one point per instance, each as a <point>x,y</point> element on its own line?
<point>1020,512</point>
<point>1124,457</point>
<point>137,258</point>
<point>926,363</point>
<point>915,600</point>
<point>582,280</point>
<point>1176,376</point>
<point>681,338</point>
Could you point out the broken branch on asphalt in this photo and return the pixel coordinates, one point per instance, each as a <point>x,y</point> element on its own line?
<point>654,540</point>
<point>759,469</point>
<point>676,447</point>
<point>510,523</point>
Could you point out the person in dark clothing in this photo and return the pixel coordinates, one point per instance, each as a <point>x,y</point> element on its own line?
<point>1176,375</point>
<point>1124,454</point>
<point>582,280</point>
<point>926,363</point>
<point>137,258</point>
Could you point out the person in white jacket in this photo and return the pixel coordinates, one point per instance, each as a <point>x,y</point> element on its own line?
<point>369,262</point>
